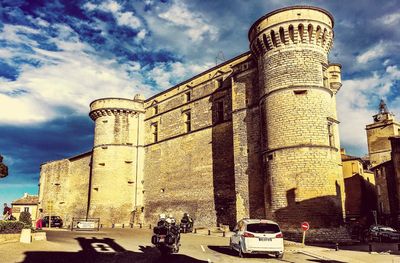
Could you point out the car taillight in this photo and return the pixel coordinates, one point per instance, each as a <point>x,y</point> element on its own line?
<point>280,235</point>
<point>247,234</point>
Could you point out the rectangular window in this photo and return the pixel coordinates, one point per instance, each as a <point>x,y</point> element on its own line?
<point>219,111</point>
<point>26,209</point>
<point>187,119</point>
<point>187,96</point>
<point>155,109</point>
<point>330,135</point>
<point>154,131</point>
<point>219,83</point>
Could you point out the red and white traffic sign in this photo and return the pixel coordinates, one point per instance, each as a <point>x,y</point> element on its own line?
<point>305,226</point>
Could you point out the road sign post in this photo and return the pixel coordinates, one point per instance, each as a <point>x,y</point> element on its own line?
<point>50,209</point>
<point>304,226</point>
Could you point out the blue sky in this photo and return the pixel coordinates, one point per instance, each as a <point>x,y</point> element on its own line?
<point>58,56</point>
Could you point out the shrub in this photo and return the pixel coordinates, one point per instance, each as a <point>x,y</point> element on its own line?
<point>25,217</point>
<point>11,227</point>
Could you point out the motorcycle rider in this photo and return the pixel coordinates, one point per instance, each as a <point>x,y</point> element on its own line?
<point>167,235</point>
<point>188,221</point>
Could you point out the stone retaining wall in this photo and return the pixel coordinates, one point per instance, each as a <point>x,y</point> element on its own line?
<point>319,235</point>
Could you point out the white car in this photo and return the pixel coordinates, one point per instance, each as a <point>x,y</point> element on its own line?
<point>257,236</point>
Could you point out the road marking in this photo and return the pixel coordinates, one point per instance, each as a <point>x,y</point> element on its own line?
<point>202,248</point>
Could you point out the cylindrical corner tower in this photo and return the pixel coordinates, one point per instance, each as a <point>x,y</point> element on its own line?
<point>300,128</point>
<point>117,162</point>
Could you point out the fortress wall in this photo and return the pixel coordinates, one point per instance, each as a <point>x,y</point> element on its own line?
<point>192,172</point>
<point>78,185</point>
<point>249,180</point>
<point>65,183</point>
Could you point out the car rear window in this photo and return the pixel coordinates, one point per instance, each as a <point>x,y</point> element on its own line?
<point>263,228</point>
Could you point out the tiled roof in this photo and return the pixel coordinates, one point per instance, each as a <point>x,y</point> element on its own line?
<point>27,200</point>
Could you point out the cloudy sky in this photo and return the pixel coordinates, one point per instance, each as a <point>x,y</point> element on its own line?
<point>58,56</point>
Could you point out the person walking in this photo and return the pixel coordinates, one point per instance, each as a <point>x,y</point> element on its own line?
<point>39,221</point>
<point>6,212</point>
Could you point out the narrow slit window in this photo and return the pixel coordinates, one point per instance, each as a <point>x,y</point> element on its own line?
<point>273,38</point>
<point>301,32</point>
<point>310,32</point>
<point>282,35</point>
<point>330,135</point>
<point>154,131</point>
<point>291,33</point>
<point>219,111</point>
<point>155,109</point>
<point>187,96</point>
<point>187,117</point>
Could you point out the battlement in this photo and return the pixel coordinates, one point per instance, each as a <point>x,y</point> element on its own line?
<point>108,106</point>
<point>291,27</point>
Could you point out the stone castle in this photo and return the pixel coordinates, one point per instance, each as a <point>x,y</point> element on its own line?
<point>256,136</point>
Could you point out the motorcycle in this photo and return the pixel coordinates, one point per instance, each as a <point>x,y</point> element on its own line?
<point>186,225</point>
<point>166,238</point>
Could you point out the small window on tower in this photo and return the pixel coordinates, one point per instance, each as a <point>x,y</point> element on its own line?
<point>187,96</point>
<point>219,111</point>
<point>155,109</point>
<point>154,131</point>
<point>330,135</point>
<point>219,83</point>
<point>187,118</point>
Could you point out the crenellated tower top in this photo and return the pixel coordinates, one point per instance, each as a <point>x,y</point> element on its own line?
<point>291,27</point>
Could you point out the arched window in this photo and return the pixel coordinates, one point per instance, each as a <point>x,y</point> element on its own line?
<point>310,32</point>
<point>291,33</point>
<point>324,37</point>
<point>282,35</point>
<point>266,43</point>
<point>318,34</point>
<point>301,32</point>
<point>273,38</point>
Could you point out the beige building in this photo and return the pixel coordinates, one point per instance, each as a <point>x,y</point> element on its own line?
<point>378,133</point>
<point>384,151</point>
<point>256,136</point>
<point>360,193</point>
<point>27,203</point>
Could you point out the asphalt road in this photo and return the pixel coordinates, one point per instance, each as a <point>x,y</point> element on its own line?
<point>129,245</point>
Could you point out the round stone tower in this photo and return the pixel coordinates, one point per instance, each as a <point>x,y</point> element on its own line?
<point>299,124</point>
<point>117,161</point>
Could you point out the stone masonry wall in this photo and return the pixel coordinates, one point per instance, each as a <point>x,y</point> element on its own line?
<point>249,180</point>
<point>65,183</point>
<point>191,171</point>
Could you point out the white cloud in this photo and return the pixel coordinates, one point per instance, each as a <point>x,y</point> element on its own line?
<point>167,75</point>
<point>123,18</point>
<point>390,19</point>
<point>377,51</point>
<point>142,34</point>
<point>70,78</point>
<point>197,28</point>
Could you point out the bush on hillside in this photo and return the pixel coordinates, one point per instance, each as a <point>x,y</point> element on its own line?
<point>11,227</point>
<point>25,217</point>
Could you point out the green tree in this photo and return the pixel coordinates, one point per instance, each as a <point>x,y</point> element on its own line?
<point>25,217</point>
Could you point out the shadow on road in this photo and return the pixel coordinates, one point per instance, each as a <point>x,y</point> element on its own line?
<point>226,250</point>
<point>96,250</point>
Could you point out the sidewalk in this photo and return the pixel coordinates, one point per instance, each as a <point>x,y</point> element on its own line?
<point>347,254</point>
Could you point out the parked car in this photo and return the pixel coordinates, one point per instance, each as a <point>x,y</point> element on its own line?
<point>56,221</point>
<point>257,236</point>
<point>381,234</point>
